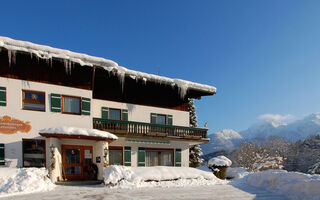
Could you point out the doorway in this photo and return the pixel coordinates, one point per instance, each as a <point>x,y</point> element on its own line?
<point>76,161</point>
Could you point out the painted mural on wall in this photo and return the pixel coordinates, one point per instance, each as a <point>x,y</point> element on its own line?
<point>9,125</point>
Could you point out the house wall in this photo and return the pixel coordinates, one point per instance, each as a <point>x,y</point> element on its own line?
<point>38,120</point>
<point>184,146</point>
<point>140,113</point>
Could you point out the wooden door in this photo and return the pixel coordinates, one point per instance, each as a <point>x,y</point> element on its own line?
<point>76,160</point>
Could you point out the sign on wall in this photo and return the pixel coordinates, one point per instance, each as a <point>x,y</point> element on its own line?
<point>9,125</point>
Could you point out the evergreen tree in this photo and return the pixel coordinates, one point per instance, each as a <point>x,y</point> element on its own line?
<point>194,151</point>
<point>192,114</point>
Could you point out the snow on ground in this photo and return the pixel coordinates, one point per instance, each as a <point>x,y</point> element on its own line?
<point>236,172</point>
<point>133,177</point>
<point>295,185</point>
<point>100,192</point>
<point>23,180</point>
<point>220,161</point>
<point>67,130</point>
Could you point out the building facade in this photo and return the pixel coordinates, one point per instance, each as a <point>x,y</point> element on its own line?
<point>74,114</point>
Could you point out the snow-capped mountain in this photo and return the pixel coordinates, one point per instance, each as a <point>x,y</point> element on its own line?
<point>298,130</point>
<point>226,139</point>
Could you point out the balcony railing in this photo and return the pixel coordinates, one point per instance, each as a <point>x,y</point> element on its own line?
<point>147,129</point>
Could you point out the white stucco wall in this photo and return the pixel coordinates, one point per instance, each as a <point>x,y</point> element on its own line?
<point>173,144</point>
<point>140,113</point>
<point>38,120</point>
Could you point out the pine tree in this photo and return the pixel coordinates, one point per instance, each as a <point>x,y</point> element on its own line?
<point>194,151</point>
<point>192,114</point>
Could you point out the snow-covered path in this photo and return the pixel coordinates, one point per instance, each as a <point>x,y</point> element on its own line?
<point>240,192</point>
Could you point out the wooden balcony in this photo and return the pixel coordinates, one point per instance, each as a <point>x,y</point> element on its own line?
<point>131,128</point>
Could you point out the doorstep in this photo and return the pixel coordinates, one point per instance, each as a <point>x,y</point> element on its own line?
<point>75,183</point>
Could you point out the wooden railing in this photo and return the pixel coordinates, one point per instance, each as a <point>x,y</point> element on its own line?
<point>147,129</point>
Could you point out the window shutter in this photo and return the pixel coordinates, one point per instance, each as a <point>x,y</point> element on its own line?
<point>2,154</point>
<point>124,116</point>
<point>141,157</point>
<point>104,113</point>
<point>3,96</point>
<point>153,118</point>
<point>55,102</point>
<point>169,121</point>
<point>85,106</point>
<point>178,158</point>
<point>127,156</point>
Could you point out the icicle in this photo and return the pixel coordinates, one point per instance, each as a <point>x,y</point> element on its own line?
<point>70,67</point>
<point>9,57</point>
<point>50,62</point>
<point>182,87</point>
<point>66,66</point>
<point>144,80</point>
<point>121,77</point>
<point>14,57</point>
<point>31,55</point>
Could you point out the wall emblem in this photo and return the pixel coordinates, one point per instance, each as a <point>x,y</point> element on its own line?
<point>9,125</point>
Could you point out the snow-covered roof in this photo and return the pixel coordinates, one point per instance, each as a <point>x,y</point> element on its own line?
<point>47,52</point>
<point>220,161</point>
<point>73,131</point>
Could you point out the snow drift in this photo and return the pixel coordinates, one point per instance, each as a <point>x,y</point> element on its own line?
<point>295,185</point>
<point>24,180</point>
<point>125,177</point>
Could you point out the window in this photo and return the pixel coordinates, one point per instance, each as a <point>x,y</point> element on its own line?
<point>33,100</point>
<point>160,119</point>
<point>2,160</point>
<point>115,114</point>
<point>71,105</point>
<point>159,157</point>
<point>3,96</point>
<point>33,153</point>
<point>115,155</point>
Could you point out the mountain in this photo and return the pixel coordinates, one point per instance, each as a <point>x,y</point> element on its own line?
<point>226,139</point>
<point>298,130</point>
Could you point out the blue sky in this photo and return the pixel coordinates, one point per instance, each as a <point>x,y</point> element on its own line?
<point>263,56</point>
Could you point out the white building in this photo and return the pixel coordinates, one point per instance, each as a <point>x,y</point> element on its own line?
<point>143,119</point>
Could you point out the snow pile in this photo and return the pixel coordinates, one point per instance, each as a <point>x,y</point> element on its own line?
<point>67,130</point>
<point>220,161</point>
<point>160,176</point>
<point>24,180</point>
<point>236,172</point>
<point>46,52</point>
<point>295,185</point>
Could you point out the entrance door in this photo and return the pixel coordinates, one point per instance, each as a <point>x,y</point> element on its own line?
<point>75,161</point>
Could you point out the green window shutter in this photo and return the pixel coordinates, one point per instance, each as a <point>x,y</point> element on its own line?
<point>178,158</point>
<point>85,106</point>
<point>104,113</point>
<point>169,119</point>
<point>127,156</point>
<point>124,114</point>
<point>3,96</point>
<point>2,154</point>
<point>55,102</point>
<point>141,157</point>
<point>153,118</point>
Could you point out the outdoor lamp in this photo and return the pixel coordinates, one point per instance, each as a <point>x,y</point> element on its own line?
<point>106,151</point>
